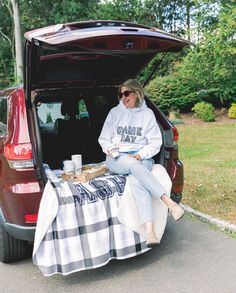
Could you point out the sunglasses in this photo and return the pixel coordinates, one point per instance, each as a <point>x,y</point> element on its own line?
<point>125,93</point>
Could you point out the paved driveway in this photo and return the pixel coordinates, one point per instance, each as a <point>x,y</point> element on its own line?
<point>191,258</point>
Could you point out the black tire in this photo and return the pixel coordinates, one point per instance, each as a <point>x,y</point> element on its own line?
<point>12,249</point>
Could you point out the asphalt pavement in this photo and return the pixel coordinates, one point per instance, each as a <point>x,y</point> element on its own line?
<point>192,257</point>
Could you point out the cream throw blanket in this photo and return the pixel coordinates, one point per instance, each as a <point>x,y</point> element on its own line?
<point>128,214</point>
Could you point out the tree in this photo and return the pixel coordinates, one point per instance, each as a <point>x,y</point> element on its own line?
<point>49,118</point>
<point>40,13</point>
<point>13,37</point>
<point>186,18</point>
<point>126,10</point>
<point>7,51</point>
<point>18,40</point>
<point>207,73</point>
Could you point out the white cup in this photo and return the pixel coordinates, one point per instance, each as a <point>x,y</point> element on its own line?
<point>77,160</point>
<point>69,167</point>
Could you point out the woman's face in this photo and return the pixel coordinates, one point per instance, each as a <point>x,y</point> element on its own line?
<point>128,97</point>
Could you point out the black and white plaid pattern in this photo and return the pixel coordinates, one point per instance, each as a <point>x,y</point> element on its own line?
<point>83,232</point>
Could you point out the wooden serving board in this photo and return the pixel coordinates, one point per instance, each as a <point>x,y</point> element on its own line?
<point>88,173</point>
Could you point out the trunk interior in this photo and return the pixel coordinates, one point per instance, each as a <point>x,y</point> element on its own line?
<point>70,122</point>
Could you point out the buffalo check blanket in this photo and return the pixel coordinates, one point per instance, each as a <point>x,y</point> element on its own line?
<point>78,228</point>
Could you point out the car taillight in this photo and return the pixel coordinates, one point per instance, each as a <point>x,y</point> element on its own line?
<point>30,218</point>
<point>19,155</point>
<point>175,133</point>
<point>178,188</point>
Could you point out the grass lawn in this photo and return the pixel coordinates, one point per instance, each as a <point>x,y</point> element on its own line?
<point>208,152</point>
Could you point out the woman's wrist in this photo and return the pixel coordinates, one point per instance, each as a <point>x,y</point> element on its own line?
<point>136,156</point>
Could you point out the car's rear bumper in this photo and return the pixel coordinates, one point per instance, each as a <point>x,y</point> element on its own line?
<point>18,231</point>
<point>176,197</point>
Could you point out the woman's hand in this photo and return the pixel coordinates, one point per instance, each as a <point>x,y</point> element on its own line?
<point>136,156</point>
<point>109,153</point>
<point>113,153</point>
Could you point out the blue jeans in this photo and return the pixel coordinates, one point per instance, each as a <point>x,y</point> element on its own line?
<point>143,184</point>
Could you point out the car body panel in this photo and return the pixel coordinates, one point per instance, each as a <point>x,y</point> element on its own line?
<point>20,192</point>
<point>72,32</point>
<point>18,125</point>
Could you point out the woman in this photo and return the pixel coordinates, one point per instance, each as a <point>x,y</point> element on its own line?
<point>132,129</point>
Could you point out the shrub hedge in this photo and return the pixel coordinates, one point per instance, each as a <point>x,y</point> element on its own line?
<point>204,111</point>
<point>232,111</point>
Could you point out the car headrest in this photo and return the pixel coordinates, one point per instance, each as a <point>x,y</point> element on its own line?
<point>69,107</point>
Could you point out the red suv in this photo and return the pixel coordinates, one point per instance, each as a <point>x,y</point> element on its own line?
<point>71,76</point>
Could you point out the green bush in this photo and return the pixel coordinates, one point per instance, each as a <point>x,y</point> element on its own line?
<point>232,111</point>
<point>173,92</point>
<point>204,111</point>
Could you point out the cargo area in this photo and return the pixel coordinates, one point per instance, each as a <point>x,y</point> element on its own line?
<point>71,123</point>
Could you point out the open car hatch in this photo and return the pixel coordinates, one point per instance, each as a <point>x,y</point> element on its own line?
<point>93,53</point>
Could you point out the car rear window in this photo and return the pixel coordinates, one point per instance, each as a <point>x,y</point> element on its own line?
<point>49,112</point>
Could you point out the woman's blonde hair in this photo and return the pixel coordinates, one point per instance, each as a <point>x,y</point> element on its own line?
<point>135,86</point>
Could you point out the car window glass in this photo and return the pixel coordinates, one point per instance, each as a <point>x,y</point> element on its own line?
<point>83,112</point>
<point>49,112</point>
<point>3,116</point>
